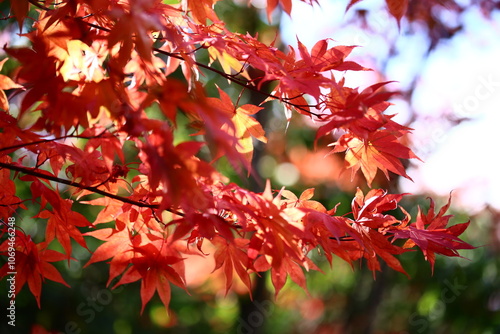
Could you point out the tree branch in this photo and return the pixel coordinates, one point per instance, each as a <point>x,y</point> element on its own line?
<point>42,141</point>
<point>32,172</point>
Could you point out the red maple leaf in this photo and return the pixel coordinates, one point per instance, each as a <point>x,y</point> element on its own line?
<point>304,201</point>
<point>32,264</point>
<point>431,234</point>
<point>369,210</point>
<point>116,245</point>
<point>9,202</point>
<point>151,259</point>
<point>380,150</point>
<point>20,10</point>
<point>38,329</point>
<point>245,126</point>
<point>62,220</point>
<point>232,256</point>
<point>364,236</point>
<point>397,8</point>
<point>287,267</point>
<point>157,263</point>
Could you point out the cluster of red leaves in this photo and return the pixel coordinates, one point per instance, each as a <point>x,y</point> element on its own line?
<point>94,71</point>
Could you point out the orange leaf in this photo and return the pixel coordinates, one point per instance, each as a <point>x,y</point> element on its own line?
<point>381,150</point>
<point>5,83</point>
<point>397,8</point>
<point>245,126</point>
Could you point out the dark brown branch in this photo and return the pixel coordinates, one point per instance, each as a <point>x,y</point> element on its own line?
<point>11,204</point>
<point>42,141</point>
<point>29,171</point>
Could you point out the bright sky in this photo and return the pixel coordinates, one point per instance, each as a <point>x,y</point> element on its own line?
<point>460,79</point>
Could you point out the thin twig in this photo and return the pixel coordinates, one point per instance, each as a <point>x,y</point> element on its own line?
<point>29,171</point>
<point>38,5</point>
<point>229,77</point>
<point>42,141</point>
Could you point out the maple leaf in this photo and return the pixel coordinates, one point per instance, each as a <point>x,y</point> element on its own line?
<point>117,245</point>
<point>88,167</point>
<point>139,256</point>
<point>35,72</point>
<point>61,225</point>
<point>134,27</point>
<point>82,62</point>
<point>304,201</point>
<point>206,226</point>
<point>358,112</point>
<point>322,59</point>
<point>228,62</point>
<point>331,232</point>
<point>62,220</point>
<point>369,209</point>
<point>371,222</point>
<point>110,145</point>
<point>381,150</point>
<point>9,202</point>
<point>365,236</point>
<point>273,225</point>
<point>171,96</point>
<point>33,264</point>
<point>376,245</point>
<point>273,4</point>
<point>20,9</point>
<point>5,84</point>
<point>156,263</point>
<point>39,73</point>
<point>397,8</point>
<point>222,143</point>
<point>276,232</point>
<point>287,267</point>
<point>201,10</point>
<point>245,126</point>
<point>232,256</point>
<point>431,234</point>
<point>176,166</point>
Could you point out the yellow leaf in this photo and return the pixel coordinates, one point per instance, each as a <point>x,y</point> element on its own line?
<point>227,62</point>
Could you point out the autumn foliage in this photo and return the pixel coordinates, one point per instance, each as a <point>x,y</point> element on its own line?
<point>101,79</point>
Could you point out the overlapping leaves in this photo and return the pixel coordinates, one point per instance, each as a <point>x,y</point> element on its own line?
<point>98,83</point>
